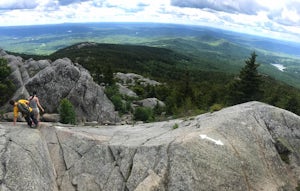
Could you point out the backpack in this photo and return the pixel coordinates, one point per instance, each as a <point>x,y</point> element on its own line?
<point>23,108</point>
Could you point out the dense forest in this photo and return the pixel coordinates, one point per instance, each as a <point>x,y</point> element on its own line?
<point>185,90</point>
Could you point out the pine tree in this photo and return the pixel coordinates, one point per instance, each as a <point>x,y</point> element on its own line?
<point>7,88</point>
<point>109,76</point>
<point>247,86</point>
<point>67,112</point>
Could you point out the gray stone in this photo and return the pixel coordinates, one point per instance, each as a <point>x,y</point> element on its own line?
<point>92,123</point>
<point>50,117</point>
<point>54,81</point>
<point>2,52</point>
<point>25,160</point>
<point>126,91</point>
<point>10,117</point>
<point>133,79</point>
<point>236,148</point>
<point>33,66</point>
<point>151,102</point>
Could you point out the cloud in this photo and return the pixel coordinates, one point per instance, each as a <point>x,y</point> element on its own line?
<point>259,17</point>
<point>127,6</point>
<point>17,4</point>
<point>230,6</point>
<point>288,15</point>
<point>262,17</point>
<point>68,2</point>
<point>295,5</point>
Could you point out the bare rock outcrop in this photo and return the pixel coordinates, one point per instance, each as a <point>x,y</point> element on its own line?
<point>25,161</point>
<point>252,146</point>
<point>126,91</point>
<point>61,79</point>
<point>132,79</point>
<point>151,103</point>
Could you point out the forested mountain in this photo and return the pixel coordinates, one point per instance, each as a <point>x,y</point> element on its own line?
<point>186,89</point>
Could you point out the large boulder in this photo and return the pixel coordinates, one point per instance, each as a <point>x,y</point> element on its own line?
<point>60,79</point>
<point>126,91</point>
<point>252,146</point>
<point>151,103</point>
<point>133,79</point>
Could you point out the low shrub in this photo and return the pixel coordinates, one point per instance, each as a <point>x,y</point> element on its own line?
<point>143,114</point>
<point>175,126</point>
<point>216,107</point>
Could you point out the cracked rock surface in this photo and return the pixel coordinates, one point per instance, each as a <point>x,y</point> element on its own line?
<point>252,146</point>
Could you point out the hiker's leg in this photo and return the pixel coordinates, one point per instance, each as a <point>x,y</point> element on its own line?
<point>36,113</point>
<point>28,120</point>
<point>33,119</point>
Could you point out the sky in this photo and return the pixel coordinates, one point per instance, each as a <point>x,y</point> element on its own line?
<point>272,18</point>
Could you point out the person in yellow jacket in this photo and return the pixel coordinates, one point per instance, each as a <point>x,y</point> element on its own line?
<point>29,116</point>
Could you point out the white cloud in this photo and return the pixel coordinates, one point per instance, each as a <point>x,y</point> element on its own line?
<point>18,4</point>
<point>287,17</point>
<point>263,17</point>
<point>231,6</point>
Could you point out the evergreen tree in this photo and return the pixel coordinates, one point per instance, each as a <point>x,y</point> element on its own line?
<point>144,114</point>
<point>187,90</point>
<point>67,112</point>
<point>4,70</point>
<point>247,86</point>
<point>7,88</point>
<point>109,76</point>
<point>97,73</point>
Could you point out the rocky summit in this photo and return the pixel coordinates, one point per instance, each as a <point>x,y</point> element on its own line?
<point>252,146</point>
<point>60,79</point>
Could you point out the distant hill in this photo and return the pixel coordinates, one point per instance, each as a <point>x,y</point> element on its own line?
<point>159,63</point>
<point>45,39</point>
<point>204,48</point>
<point>134,58</point>
<point>149,61</point>
<point>221,55</point>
